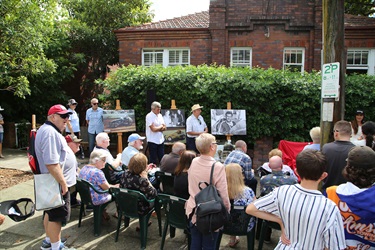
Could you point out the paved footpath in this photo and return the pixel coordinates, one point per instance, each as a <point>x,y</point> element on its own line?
<point>29,234</point>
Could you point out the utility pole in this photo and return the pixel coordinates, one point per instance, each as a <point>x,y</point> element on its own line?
<point>333,109</point>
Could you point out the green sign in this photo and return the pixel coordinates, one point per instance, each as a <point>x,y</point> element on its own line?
<point>330,80</point>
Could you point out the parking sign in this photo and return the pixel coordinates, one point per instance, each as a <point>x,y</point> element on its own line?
<point>330,80</point>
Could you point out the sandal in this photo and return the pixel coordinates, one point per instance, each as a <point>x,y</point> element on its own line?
<point>233,244</point>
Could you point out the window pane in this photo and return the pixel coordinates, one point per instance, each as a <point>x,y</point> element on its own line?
<point>241,57</point>
<point>293,59</point>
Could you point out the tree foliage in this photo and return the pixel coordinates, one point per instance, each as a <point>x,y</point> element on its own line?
<point>360,7</point>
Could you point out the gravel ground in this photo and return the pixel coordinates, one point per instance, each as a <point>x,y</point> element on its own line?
<point>11,177</point>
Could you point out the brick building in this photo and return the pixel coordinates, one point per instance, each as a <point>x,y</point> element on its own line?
<point>270,33</point>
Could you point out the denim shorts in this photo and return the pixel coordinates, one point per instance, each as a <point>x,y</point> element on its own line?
<point>1,137</point>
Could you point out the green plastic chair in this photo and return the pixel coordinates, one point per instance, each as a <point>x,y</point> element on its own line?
<point>237,226</point>
<point>175,215</point>
<point>167,182</point>
<point>107,168</point>
<point>265,225</point>
<point>127,205</point>
<point>83,188</point>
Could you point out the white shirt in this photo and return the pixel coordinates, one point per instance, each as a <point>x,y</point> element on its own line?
<point>157,120</point>
<point>194,124</point>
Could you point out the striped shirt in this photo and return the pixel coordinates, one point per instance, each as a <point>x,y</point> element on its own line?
<point>311,221</point>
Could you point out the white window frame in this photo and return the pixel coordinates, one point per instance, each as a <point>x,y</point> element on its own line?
<point>368,66</point>
<point>181,58</point>
<point>241,62</point>
<point>292,61</point>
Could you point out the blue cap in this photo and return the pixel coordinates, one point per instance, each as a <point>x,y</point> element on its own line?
<point>134,137</point>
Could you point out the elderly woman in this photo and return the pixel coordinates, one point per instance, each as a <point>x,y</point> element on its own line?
<point>136,178</point>
<point>200,171</point>
<point>315,137</point>
<point>355,198</point>
<point>93,174</point>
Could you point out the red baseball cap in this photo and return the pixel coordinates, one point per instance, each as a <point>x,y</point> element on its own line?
<point>58,109</point>
<point>72,138</point>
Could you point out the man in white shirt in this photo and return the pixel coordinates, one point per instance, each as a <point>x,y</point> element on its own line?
<point>155,126</point>
<point>195,126</point>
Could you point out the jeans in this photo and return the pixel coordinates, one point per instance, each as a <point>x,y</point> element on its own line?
<point>91,142</point>
<point>201,241</point>
<point>156,152</point>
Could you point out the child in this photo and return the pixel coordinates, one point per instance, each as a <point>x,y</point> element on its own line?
<point>308,220</point>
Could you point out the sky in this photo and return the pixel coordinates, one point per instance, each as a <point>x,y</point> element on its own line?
<point>167,9</point>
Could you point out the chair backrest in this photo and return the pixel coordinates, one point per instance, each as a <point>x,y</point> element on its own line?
<point>127,200</point>
<point>167,181</point>
<point>106,170</point>
<point>238,221</point>
<point>175,210</point>
<point>83,188</point>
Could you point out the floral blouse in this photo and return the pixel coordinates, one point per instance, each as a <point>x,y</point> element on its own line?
<point>245,199</point>
<point>138,183</point>
<point>96,178</point>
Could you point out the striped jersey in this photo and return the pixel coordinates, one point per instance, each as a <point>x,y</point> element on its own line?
<point>311,220</point>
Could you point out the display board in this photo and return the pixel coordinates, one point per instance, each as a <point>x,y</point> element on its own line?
<point>119,121</point>
<point>175,121</point>
<point>228,122</point>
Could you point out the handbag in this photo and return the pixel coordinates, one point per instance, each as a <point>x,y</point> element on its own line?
<point>47,192</point>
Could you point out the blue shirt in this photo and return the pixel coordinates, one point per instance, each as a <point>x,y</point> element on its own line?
<point>239,157</point>
<point>127,154</point>
<point>95,118</point>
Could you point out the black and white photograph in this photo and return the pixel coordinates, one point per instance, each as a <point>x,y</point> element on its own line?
<point>228,122</point>
<point>119,120</point>
<point>173,117</point>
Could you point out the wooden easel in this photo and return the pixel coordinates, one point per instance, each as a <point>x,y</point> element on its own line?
<point>119,134</point>
<point>33,122</point>
<point>229,107</point>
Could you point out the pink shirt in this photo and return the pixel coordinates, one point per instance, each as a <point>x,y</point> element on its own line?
<point>200,170</point>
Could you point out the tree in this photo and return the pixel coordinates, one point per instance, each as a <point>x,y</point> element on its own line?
<point>360,7</point>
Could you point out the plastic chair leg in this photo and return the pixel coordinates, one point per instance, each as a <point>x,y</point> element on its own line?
<point>143,221</point>
<point>81,210</point>
<point>118,224</point>
<point>166,224</point>
<point>172,231</point>
<point>97,220</point>
<point>262,234</point>
<point>157,206</point>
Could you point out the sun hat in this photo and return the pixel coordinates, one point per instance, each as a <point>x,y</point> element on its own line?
<point>58,109</point>
<point>195,107</point>
<point>134,137</point>
<point>72,138</point>
<point>71,102</point>
<point>18,210</point>
<point>361,157</point>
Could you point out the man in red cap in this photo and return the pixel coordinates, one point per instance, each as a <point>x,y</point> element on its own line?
<point>51,150</point>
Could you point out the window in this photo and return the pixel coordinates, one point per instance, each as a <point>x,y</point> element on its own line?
<point>294,59</point>
<point>166,57</point>
<point>357,61</point>
<point>240,57</point>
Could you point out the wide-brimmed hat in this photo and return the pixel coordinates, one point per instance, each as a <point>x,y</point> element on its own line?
<point>18,210</point>
<point>58,109</point>
<point>195,107</point>
<point>72,138</point>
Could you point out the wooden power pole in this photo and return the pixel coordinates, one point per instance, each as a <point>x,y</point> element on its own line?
<point>333,109</point>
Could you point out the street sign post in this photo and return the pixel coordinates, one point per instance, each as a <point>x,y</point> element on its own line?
<point>330,80</point>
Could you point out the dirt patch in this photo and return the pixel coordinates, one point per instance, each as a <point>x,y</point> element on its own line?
<point>11,177</point>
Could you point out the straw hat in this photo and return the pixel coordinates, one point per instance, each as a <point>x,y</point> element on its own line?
<point>195,107</point>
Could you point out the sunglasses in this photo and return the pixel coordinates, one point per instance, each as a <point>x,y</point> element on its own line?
<point>200,123</point>
<point>94,103</point>
<point>64,116</point>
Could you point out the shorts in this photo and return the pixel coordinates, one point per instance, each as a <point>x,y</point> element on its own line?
<point>1,137</point>
<point>60,214</point>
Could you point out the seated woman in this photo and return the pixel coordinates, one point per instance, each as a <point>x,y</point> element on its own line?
<point>239,194</point>
<point>136,178</point>
<point>181,185</point>
<point>93,174</point>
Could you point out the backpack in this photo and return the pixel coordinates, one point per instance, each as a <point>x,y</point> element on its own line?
<point>31,154</point>
<point>211,214</point>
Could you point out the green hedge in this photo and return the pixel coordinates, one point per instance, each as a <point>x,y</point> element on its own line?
<point>280,104</point>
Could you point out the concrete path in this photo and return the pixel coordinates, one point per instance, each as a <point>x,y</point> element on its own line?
<point>29,234</point>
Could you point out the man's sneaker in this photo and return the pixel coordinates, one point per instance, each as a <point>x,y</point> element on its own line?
<point>63,247</point>
<point>47,245</point>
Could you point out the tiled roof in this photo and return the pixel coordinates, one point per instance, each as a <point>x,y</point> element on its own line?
<point>192,21</point>
<point>201,20</point>
<point>359,21</point>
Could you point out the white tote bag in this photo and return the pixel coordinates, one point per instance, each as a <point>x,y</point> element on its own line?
<point>47,192</point>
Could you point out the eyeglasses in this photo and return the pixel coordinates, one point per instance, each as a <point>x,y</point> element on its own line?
<point>94,103</point>
<point>200,123</point>
<point>64,116</point>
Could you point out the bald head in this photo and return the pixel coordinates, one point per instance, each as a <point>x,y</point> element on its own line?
<point>240,144</point>
<point>276,163</point>
<point>178,148</point>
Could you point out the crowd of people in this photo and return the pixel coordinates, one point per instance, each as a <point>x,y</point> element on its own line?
<point>325,203</point>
